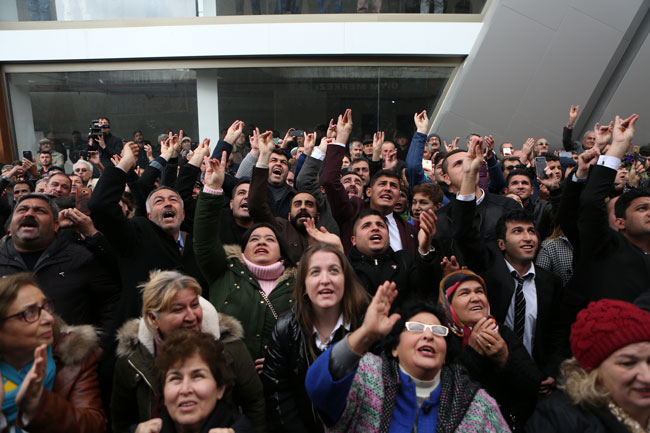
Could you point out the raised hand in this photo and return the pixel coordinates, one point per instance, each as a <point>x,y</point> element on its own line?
<point>100,141</point>
<point>266,146</point>
<point>551,182</point>
<point>377,142</point>
<point>201,151</point>
<point>428,221</point>
<point>527,150</point>
<point>234,131</point>
<point>636,171</point>
<point>585,160</point>
<point>421,122</point>
<point>451,146</point>
<point>603,134</point>
<point>331,129</point>
<point>215,171</point>
<point>474,159</point>
<point>378,322</point>
<point>491,342</point>
<point>149,152</point>
<point>449,265</point>
<point>152,426</point>
<point>93,157</point>
<point>129,156</point>
<point>344,127</point>
<point>255,140</point>
<point>322,235</point>
<point>622,135</point>
<point>324,142</point>
<point>287,138</point>
<point>391,160</point>
<point>176,143</point>
<point>310,141</point>
<point>573,114</point>
<point>31,390</point>
<point>76,219</point>
<point>489,146</point>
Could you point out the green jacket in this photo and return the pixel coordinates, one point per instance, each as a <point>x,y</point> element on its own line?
<point>234,290</point>
<point>135,386</point>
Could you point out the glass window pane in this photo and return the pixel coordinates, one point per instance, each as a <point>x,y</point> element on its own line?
<point>381,98</point>
<point>62,102</point>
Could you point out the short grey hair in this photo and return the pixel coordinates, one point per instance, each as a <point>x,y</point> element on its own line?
<point>160,188</point>
<point>46,198</point>
<point>83,162</point>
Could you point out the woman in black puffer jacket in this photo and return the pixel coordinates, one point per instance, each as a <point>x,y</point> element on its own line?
<point>329,303</point>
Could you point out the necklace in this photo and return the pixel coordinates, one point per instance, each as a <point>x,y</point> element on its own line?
<point>625,419</point>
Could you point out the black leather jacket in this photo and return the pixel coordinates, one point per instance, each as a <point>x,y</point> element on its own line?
<point>289,409</point>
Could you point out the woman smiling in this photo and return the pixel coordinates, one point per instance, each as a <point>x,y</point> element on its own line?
<point>606,385</point>
<point>407,388</point>
<point>492,354</point>
<point>329,303</point>
<point>192,370</point>
<point>49,370</point>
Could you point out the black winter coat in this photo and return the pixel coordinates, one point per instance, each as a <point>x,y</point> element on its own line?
<point>557,414</point>
<point>515,386</point>
<point>222,416</point>
<point>420,279</point>
<point>288,407</point>
<point>83,290</point>
<point>142,245</point>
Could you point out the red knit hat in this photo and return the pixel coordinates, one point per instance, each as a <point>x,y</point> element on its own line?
<point>604,327</point>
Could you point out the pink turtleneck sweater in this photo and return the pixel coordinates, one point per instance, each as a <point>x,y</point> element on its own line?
<point>266,275</point>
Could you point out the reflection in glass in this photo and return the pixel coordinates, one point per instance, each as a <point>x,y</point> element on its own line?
<point>154,101</point>
<point>87,10</point>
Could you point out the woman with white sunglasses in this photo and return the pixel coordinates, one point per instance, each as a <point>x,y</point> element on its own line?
<point>409,387</point>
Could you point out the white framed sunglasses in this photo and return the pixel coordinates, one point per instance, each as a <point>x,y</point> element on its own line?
<point>421,327</point>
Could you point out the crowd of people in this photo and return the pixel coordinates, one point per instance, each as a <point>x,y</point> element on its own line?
<point>321,282</point>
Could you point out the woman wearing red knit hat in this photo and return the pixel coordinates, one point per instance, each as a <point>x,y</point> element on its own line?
<point>607,384</point>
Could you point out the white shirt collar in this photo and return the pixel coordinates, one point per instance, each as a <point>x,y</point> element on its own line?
<point>324,345</point>
<point>531,270</point>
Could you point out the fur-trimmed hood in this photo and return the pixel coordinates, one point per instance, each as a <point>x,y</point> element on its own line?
<point>223,327</point>
<point>73,344</point>
<point>234,252</point>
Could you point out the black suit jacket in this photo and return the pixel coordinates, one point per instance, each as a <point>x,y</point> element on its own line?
<point>549,344</point>
<point>484,221</point>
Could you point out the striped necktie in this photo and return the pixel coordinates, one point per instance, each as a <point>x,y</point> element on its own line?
<point>520,307</point>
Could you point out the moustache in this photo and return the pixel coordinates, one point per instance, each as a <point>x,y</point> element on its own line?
<point>29,220</point>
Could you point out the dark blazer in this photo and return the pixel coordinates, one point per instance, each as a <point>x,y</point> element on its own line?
<point>346,209</point>
<point>550,347</point>
<point>610,266</point>
<point>485,220</point>
<point>514,386</point>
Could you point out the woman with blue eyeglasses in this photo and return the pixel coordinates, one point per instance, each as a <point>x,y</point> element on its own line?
<point>405,389</point>
<point>49,370</point>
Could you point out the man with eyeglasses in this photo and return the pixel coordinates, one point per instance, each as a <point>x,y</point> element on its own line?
<point>82,289</point>
<point>109,144</point>
<point>541,146</point>
<point>84,170</point>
